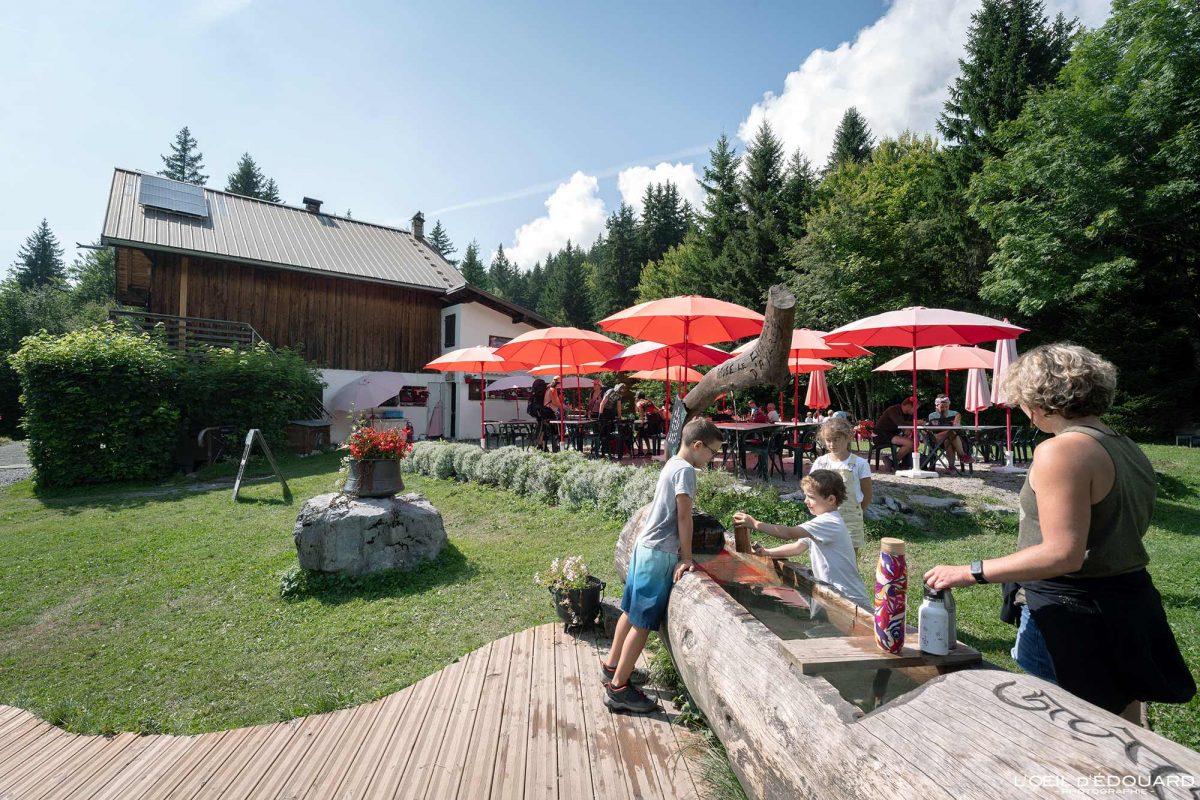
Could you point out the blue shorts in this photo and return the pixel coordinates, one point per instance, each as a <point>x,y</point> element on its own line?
<point>1030,649</point>
<point>648,586</point>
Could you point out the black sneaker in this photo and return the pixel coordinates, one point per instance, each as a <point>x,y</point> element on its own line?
<point>639,677</point>
<point>629,698</point>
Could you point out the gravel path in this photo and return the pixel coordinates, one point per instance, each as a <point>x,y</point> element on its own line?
<point>986,486</point>
<point>14,463</point>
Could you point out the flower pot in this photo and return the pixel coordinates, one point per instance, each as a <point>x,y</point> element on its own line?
<point>580,607</point>
<point>374,477</point>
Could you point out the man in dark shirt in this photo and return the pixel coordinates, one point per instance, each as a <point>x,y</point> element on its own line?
<point>894,426</point>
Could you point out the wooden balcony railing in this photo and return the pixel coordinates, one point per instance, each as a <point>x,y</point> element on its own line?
<point>187,333</point>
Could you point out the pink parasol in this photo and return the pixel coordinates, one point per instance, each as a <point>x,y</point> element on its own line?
<point>818,391</point>
<point>978,393</point>
<point>677,373</point>
<point>923,327</point>
<point>1006,353</point>
<point>481,360</point>
<point>943,357</point>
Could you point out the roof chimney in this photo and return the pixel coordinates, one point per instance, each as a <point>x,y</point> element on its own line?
<point>312,205</point>
<point>418,226</point>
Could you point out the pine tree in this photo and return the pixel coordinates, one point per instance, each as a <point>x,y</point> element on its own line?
<point>852,141</point>
<point>799,194</point>
<point>185,162</point>
<point>472,268</point>
<point>94,277</point>
<point>535,285</point>
<point>40,260</point>
<point>565,298</point>
<point>723,211</point>
<point>756,249</point>
<point>620,264</point>
<point>1011,48</point>
<point>270,193</point>
<point>501,274</point>
<point>665,220</point>
<point>440,240</point>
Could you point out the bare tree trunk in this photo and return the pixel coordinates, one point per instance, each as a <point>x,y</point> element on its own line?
<point>765,364</point>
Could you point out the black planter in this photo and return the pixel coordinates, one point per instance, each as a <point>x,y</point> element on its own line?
<point>580,608</point>
<point>375,477</point>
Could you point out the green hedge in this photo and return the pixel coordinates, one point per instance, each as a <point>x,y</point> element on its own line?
<point>259,388</point>
<point>106,404</point>
<point>99,406</point>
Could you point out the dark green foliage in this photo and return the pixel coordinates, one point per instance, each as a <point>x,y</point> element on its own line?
<point>472,268</point>
<point>502,275</point>
<point>620,263</point>
<point>185,161</point>
<point>665,220</point>
<point>798,195</point>
<point>94,277</point>
<point>440,240</point>
<point>724,214</point>
<point>1011,48</point>
<point>1095,208</point>
<point>257,388</point>
<point>564,297</point>
<point>40,260</point>
<point>754,249</point>
<point>685,269</point>
<point>249,181</point>
<point>852,141</point>
<point>98,406</point>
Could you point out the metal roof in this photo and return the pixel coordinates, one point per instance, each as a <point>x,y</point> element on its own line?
<point>259,232</point>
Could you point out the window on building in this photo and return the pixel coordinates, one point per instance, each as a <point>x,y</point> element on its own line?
<point>473,386</point>
<point>448,332</point>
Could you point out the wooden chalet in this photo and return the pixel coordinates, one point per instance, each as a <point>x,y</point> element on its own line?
<point>354,296</point>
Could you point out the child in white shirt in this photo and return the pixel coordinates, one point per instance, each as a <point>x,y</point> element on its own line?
<point>825,535</point>
<point>855,472</point>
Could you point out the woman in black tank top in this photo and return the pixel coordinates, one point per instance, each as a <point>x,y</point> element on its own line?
<point>1089,616</point>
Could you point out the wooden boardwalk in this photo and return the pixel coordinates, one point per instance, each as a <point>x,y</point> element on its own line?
<point>522,717</point>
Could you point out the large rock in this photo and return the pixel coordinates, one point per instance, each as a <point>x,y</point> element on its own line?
<point>358,536</point>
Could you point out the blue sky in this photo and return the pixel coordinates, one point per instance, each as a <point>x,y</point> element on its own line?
<point>518,123</point>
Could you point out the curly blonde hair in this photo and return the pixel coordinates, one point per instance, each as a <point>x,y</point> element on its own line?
<point>1063,379</point>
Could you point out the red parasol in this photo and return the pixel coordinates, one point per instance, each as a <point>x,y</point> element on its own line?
<point>943,357</point>
<point>923,327</point>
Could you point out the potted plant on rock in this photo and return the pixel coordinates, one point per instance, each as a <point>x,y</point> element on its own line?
<point>576,593</point>
<point>373,466</point>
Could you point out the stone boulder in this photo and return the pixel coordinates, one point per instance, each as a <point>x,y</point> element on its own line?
<point>358,536</point>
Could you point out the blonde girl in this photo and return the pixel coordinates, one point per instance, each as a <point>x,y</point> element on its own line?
<point>835,434</point>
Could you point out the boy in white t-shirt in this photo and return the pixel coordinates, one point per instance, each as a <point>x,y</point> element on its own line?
<point>825,536</point>
<point>855,472</point>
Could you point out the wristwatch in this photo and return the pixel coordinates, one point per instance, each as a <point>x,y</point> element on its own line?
<point>977,571</point>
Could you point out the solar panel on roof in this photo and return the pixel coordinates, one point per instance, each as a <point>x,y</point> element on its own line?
<point>168,195</point>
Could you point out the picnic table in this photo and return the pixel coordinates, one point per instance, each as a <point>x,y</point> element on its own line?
<point>740,431</point>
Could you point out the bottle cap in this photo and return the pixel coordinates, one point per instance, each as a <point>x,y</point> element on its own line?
<point>933,594</point>
<point>891,546</point>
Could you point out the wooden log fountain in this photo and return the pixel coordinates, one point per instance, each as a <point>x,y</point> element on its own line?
<point>976,732</point>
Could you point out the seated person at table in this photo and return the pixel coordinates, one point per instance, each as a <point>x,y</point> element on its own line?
<point>825,536</point>
<point>650,421</point>
<point>772,414</point>
<point>952,442</point>
<point>890,427</point>
<point>809,417</point>
<point>755,414</point>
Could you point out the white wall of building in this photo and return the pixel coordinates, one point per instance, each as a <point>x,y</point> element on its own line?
<point>475,325</point>
<point>339,428</point>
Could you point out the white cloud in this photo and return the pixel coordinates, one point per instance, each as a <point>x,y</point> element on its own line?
<point>895,72</point>
<point>633,182</point>
<point>574,212</point>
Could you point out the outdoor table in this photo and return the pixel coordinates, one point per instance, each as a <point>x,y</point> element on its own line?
<point>740,430</point>
<point>512,432</point>
<point>803,434</point>
<point>576,431</point>
<point>972,435</point>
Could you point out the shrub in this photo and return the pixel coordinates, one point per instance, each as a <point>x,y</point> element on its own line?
<point>466,457</point>
<point>609,487</point>
<point>541,482</point>
<point>638,491</point>
<point>577,489</point>
<point>99,406</point>
<point>256,388</point>
<point>418,460</point>
<point>441,464</point>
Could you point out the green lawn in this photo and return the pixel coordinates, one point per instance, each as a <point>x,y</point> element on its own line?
<point>162,613</point>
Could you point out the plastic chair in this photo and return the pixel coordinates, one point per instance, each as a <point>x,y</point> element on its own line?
<point>770,456</point>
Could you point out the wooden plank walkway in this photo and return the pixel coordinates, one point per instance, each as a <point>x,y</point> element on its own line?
<point>522,717</point>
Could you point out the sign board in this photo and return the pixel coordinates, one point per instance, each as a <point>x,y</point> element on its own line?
<point>675,430</point>
<point>251,435</point>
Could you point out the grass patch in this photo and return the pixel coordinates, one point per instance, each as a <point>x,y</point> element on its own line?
<point>127,608</point>
<point>158,608</point>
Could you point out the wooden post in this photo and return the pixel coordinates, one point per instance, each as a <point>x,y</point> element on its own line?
<point>741,539</point>
<point>764,364</point>
<point>183,301</point>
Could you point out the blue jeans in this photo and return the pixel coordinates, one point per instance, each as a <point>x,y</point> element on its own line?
<point>1030,649</point>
